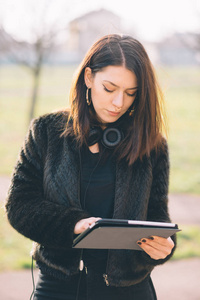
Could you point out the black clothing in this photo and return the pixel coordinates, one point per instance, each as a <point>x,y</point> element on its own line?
<point>50,288</point>
<point>97,184</point>
<point>97,193</point>
<point>90,286</point>
<point>44,201</point>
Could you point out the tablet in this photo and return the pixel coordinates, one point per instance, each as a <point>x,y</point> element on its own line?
<point>121,234</point>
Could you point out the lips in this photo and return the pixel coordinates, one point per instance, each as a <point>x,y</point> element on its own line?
<point>113,113</point>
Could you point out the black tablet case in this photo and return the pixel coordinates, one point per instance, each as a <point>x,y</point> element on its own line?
<point>121,234</point>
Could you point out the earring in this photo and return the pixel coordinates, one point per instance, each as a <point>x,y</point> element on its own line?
<point>131,112</point>
<point>87,98</point>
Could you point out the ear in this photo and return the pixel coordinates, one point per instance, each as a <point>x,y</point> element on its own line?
<point>88,77</point>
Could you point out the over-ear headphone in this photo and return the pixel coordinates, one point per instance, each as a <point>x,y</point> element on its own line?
<point>109,137</point>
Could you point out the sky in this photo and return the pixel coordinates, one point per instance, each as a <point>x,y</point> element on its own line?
<point>152,20</point>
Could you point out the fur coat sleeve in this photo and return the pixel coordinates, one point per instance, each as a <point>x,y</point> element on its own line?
<point>28,210</point>
<point>158,201</point>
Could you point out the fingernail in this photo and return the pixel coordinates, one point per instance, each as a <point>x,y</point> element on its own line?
<point>151,238</point>
<point>144,241</point>
<point>139,243</point>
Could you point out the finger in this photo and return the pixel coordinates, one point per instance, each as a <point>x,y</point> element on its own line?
<point>84,224</point>
<point>152,244</point>
<point>154,252</point>
<point>93,219</point>
<point>156,242</point>
<point>81,226</point>
<point>161,241</point>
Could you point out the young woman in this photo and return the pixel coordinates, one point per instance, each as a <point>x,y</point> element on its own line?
<point>105,158</point>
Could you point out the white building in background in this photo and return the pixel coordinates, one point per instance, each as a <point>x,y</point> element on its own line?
<point>85,30</point>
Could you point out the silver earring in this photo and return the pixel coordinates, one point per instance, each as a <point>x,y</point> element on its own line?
<point>87,98</point>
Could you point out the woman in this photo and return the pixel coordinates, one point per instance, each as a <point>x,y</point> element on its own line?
<point>106,158</point>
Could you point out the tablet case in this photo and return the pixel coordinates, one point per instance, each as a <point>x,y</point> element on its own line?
<point>121,234</point>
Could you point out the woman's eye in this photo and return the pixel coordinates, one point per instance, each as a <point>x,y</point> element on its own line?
<point>132,95</point>
<point>107,90</point>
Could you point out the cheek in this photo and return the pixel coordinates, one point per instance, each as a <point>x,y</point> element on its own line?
<point>129,102</point>
<point>94,92</point>
<point>95,98</point>
<point>98,97</point>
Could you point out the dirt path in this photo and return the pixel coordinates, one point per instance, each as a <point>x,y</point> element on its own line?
<point>175,280</point>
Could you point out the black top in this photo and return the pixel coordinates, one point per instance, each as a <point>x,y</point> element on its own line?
<point>97,184</point>
<point>97,190</point>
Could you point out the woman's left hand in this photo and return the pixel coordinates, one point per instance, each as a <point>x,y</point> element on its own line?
<point>156,247</point>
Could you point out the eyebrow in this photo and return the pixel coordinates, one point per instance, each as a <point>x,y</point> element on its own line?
<point>118,86</point>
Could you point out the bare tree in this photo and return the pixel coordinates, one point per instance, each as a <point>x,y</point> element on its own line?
<point>43,41</point>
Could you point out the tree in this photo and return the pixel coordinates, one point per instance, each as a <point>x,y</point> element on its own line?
<point>44,31</point>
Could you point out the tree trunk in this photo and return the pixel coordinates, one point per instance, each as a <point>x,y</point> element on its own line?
<point>36,77</point>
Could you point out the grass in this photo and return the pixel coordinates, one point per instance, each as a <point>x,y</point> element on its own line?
<point>188,241</point>
<point>184,140</point>
<point>182,92</point>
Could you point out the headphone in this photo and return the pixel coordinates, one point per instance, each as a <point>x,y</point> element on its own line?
<point>109,137</point>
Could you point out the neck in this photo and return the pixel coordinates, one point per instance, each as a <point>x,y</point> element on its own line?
<point>94,148</point>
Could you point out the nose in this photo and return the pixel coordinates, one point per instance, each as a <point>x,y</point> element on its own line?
<point>118,100</point>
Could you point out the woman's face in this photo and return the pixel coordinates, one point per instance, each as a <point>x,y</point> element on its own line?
<point>113,90</point>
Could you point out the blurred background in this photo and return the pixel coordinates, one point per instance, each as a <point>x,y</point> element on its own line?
<point>41,44</point>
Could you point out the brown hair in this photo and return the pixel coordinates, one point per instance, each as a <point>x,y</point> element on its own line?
<point>144,129</point>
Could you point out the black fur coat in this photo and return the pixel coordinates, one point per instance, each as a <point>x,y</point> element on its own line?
<point>43,202</point>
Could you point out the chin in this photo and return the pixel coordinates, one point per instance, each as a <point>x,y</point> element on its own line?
<point>108,121</point>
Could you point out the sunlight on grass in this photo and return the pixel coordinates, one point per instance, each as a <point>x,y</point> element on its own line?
<point>182,94</point>
<point>188,243</point>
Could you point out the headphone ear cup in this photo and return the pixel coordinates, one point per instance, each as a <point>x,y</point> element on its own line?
<point>95,135</point>
<point>111,137</point>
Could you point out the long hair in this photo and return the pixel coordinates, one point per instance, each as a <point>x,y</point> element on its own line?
<point>144,129</point>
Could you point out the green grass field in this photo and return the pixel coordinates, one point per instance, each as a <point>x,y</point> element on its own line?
<point>182,92</point>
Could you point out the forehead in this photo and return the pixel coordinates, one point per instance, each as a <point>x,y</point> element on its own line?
<point>119,75</point>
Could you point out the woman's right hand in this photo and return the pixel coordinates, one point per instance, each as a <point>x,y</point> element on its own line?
<point>84,224</point>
